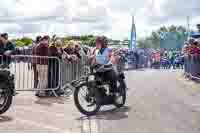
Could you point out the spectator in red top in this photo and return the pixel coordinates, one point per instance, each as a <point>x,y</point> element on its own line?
<point>34,61</point>
<point>42,49</point>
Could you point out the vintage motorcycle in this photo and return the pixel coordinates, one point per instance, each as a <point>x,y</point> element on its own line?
<point>95,92</point>
<point>7,89</point>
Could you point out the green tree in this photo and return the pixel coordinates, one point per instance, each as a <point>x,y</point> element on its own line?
<point>83,38</point>
<point>141,43</point>
<point>174,36</point>
<point>92,41</point>
<point>67,38</point>
<point>162,29</point>
<point>27,41</point>
<point>172,28</point>
<point>19,43</point>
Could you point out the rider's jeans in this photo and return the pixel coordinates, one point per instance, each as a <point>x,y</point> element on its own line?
<point>112,77</point>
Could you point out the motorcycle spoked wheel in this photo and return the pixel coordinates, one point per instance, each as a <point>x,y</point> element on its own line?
<point>5,101</point>
<point>120,95</point>
<point>91,101</point>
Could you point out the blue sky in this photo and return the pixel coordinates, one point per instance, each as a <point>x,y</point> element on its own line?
<point>108,17</point>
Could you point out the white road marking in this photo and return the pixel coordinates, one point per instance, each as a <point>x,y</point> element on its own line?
<point>87,125</point>
<point>90,126</point>
<point>94,126</point>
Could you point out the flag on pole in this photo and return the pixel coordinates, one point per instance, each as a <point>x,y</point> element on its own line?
<point>132,44</point>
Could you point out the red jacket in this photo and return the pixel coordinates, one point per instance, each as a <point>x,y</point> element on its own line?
<point>34,59</point>
<point>42,50</point>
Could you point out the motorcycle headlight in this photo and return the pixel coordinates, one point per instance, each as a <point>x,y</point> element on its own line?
<point>91,78</point>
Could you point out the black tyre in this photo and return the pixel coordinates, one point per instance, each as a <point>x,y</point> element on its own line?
<point>5,101</point>
<point>120,94</point>
<point>92,101</point>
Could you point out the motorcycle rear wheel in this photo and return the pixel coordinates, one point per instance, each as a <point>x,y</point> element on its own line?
<point>121,93</point>
<point>6,99</point>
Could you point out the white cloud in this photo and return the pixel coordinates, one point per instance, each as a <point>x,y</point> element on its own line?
<point>109,17</point>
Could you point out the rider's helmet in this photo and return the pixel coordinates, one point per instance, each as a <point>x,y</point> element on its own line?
<point>103,40</point>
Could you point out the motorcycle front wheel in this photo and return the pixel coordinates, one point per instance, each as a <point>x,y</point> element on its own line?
<point>85,102</point>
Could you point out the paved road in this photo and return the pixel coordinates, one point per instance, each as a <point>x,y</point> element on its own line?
<point>158,102</point>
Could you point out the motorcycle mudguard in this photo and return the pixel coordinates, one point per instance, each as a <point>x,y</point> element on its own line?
<point>77,83</point>
<point>80,83</point>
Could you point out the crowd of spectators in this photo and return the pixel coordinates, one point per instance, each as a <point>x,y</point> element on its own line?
<point>171,58</point>
<point>71,52</point>
<point>44,54</point>
<point>191,52</point>
<point>45,70</point>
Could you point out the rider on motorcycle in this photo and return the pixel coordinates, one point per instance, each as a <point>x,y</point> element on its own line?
<point>103,56</point>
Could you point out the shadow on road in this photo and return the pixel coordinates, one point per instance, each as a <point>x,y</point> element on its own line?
<point>5,119</point>
<point>113,114</point>
<point>140,69</point>
<point>96,123</point>
<point>49,101</point>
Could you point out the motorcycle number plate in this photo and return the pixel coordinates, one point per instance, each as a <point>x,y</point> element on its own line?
<point>91,78</point>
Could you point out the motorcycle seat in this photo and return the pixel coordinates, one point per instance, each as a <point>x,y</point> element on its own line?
<point>104,68</point>
<point>108,66</point>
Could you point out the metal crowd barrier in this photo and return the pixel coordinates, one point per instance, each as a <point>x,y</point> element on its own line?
<point>192,66</point>
<point>71,71</point>
<point>43,73</point>
<point>34,73</point>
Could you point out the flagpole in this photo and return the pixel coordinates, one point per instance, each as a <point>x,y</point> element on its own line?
<point>133,35</point>
<point>131,40</point>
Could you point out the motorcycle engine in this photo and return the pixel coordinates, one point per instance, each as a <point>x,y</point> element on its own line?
<point>7,77</point>
<point>106,88</point>
<point>121,75</point>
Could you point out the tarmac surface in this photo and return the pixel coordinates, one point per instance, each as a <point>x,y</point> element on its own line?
<point>159,101</point>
